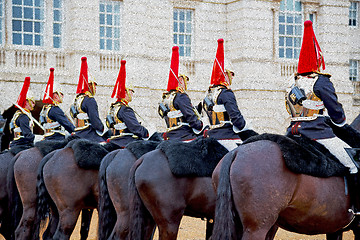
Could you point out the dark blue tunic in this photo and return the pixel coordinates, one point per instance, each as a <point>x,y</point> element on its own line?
<point>56,114</point>
<point>23,122</point>
<point>227,98</point>
<point>318,129</point>
<point>182,102</point>
<point>90,107</point>
<point>126,115</point>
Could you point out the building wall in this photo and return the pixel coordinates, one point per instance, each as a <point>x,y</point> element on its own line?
<point>250,30</point>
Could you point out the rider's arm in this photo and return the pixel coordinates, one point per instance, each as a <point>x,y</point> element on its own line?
<point>227,98</point>
<point>128,116</point>
<point>23,122</point>
<point>56,114</point>
<point>183,103</point>
<point>90,106</point>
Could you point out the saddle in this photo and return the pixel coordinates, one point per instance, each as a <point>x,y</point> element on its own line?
<point>139,148</point>
<point>193,159</point>
<point>305,156</point>
<point>88,155</point>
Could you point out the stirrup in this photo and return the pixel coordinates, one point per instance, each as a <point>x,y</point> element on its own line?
<point>350,210</point>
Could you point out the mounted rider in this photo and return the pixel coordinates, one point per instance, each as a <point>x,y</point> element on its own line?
<point>307,100</point>
<point>227,124</point>
<point>52,117</point>
<point>84,110</point>
<point>182,119</point>
<point>21,124</point>
<point>121,117</point>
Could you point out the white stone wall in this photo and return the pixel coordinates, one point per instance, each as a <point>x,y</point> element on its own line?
<point>249,28</point>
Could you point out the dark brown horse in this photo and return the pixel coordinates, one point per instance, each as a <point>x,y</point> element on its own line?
<point>64,185</point>
<point>256,190</point>
<point>156,194</point>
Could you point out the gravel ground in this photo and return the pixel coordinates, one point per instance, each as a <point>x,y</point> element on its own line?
<point>194,229</point>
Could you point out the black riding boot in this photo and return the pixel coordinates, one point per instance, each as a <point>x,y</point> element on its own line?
<point>354,181</point>
<point>354,192</point>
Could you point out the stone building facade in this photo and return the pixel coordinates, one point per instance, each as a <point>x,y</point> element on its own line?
<point>261,47</point>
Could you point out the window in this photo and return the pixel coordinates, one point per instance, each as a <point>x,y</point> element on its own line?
<point>110,25</point>
<point>57,23</point>
<point>290,29</point>
<point>2,2</point>
<point>353,12</point>
<point>183,22</point>
<point>353,74</point>
<point>27,22</point>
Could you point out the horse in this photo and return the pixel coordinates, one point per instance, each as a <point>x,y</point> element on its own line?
<point>113,208</point>
<point>68,187</point>
<point>159,196</point>
<point>256,190</point>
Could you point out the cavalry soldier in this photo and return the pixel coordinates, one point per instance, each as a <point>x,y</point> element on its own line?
<point>121,117</point>
<point>21,123</point>
<point>52,117</point>
<point>227,124</point>
<point>307,100</point>
<point>182,119</point>
<point>85,109</point>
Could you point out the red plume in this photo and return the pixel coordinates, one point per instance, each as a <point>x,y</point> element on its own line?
<point>311,58</point>
<point>174,69</point>
<point>217,76</point>
<point>83,85</point>
<point>49,90</point>
<point>119,88</point>
<point>22,97</point>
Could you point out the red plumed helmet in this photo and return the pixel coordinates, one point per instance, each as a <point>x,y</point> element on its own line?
<point>83,85</point>
<point>218,74</point>
<point>49,90</point>
<point>311,58</point>
<point>21,101</point>
<point>119,88</point>
<point>174,70</point>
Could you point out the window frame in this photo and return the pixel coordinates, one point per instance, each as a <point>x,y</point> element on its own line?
<point>283,41</point>
<point>42,22</point>
<point>188,36</point>
<point>354,70</point>
<point>353,20</point>
<point>112,26</point>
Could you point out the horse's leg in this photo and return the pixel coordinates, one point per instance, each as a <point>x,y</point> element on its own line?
<point>334,236</point>
<point>51,228</point>
<point>67,222</point>
<point>86,215</point>
<point>209,228</point>
<point>356,231</point>
<point>271,234</point>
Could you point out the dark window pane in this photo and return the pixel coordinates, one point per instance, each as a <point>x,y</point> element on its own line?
<point>175,15</point>
<point>57,42</point>
<point>281,41</point>
<point>176,27</point>
<point>38,40</point>
<point>28,39</point>
<point>109,8</point>
<point>289,29</point>
<point>281,18</point>
<point>57,3</point>
<point>17,39</point>
<point>28,13</point>
<point>109,44</point>
<point>28,26</point>
<point>188,39</point>
<point>182,16</point>
<point>102,44</point>
<point>289,41</point>
<point>38,15</point>
<point>38,3</point>
<point>109,32</point>
<point>57,29</point>
<point>17,12</point>
<point>289,53</point>
<point>18,2</point>
<point>102,7</point>
<point>116,32</point>
<point>175,38</point>
<point>289,19</point>
<point>188,16</point>
<point>182,27</point>
<point>57,15</point>
<point>181,51</point>
<point>281,29</point>
<point>108,19</point>
<point>16,25</point>
<point>281,52</point>
<point>102,31</point>
<point>181,39</point>
<point>28,2</point>
<point>37,27</point>
<point>188,27</point>
<point>116,45</point>
<point>102,18</point>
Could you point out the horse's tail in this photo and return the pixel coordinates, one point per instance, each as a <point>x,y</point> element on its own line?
<point>43,199</point>
<point>138,212</point>
<point>106,210</point>
<point>224,225</point>
<point>14,200</point>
